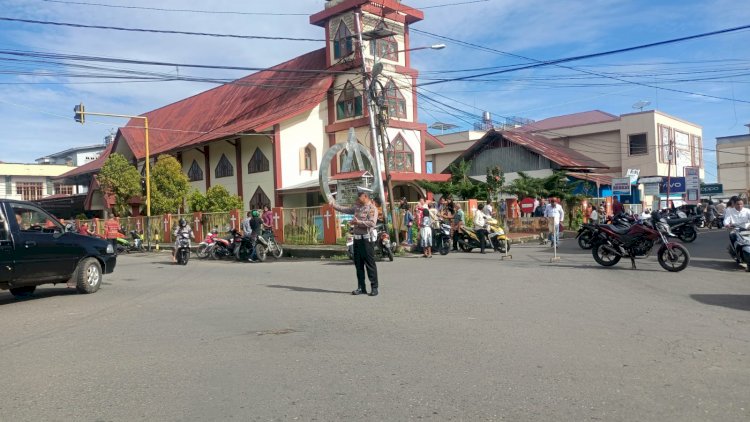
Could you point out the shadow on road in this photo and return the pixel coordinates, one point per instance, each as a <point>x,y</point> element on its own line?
<point>9,299</point>
<point>306,289</point>
<point>726,265</point>
<point>739,302</point>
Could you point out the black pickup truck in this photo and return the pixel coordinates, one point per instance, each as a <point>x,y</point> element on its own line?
<point>35,249</point>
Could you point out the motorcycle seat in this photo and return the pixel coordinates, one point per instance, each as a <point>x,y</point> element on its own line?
<point>617,229</point>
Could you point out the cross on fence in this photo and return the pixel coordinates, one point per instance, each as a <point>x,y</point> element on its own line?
<point>276,219</point>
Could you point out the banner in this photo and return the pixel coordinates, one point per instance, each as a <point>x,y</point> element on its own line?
<point>651,189</point>
<point>621,186</point>
<point>677,185</point>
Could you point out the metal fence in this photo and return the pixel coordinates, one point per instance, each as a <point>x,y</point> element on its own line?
<point>304,226</point>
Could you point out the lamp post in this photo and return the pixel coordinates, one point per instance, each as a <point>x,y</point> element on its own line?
<point>81,113</point>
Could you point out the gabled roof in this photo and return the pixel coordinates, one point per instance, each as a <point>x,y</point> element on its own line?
<point>600,179</point>
<point>252,103</point>
<point>552,150</point>
<point>569,120</point>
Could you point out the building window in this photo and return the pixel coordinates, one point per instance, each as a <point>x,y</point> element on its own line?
<point>349,103</point>
<point>401,157</point>
<point>259,199</point>
<point>258,163</point>
<point>30,191</point>
<point>638,144</point>
<point>384,48</point>
<point>195,173</point>
<point>308,158</point>
<point>61,189</point>
<point>665,134</point>
<point>354,165</point>
<point>395,100</point>
<point>342,42</point>
<point>429,167</point>
<point>224,168</point>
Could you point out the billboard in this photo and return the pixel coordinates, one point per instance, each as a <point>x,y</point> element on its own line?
<point>677,185</point>
<point>621,186</point>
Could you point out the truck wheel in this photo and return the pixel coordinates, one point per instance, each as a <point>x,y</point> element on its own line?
<point>88,276</point>
<point>22,292</point>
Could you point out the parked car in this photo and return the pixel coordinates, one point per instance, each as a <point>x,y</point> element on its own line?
<point>36,249</point>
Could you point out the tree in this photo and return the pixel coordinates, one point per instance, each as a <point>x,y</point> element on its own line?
<point>216,199</point>
<point>120,178</point>
<point>525,186</point>
<point>495,181</point>
<point>460,185</point>
<point>169,185</point>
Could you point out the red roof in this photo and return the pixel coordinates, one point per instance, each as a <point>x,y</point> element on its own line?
<point>350,175</point>
<point>252,103</point>
<point>600,179</point>
<point>554,151</point>
<point>569,120</point>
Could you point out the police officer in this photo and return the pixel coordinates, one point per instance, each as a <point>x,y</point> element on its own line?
<point>365,218</point>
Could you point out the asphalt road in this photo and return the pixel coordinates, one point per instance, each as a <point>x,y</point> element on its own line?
<point>461,337</point>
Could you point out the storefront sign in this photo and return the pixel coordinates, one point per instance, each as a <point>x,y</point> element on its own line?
<point>621,186</point>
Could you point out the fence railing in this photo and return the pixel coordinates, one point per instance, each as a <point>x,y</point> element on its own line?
<point>303,226</point>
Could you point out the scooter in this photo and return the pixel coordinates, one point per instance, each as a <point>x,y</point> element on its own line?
<point>204,248</point>
<point>496,238</point>
<point>383,245</point>
<point>137,244</point>
<point>739,245</point>
<point>683,228</point>
<point>442,238</point>
<point>182,253</point>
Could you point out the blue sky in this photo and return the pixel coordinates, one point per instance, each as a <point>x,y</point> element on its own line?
<point>36,109</point>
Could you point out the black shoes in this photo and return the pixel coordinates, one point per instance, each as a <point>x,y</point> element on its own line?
<point>359,292</point>
<point>374,292</point>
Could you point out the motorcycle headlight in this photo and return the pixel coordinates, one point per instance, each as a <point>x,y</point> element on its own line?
<point>110,248</point>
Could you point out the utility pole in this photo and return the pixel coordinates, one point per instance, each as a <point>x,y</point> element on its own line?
<point>670,156</point>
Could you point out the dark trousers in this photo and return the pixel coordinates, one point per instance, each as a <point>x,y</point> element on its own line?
<point>364,257</point>
<point>482,235</point>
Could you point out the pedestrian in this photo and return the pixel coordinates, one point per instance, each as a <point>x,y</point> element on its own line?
<point>480,223</point>
<point>84,229</point>
<point>267,217</point>
<point>408,223</point>
<point>555,217</point>
<point>488,211</point>
<point>365,217</point>
<point>459,220</point>
<point>617,207</point>
<point>720,207</point>
<point>425,231</point>
<point>539,210</point>
<point>502,210</point>
<point>593,215</point>
<point>712,214</point>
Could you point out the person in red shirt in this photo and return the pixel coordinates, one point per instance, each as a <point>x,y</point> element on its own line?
<point>84,229</point>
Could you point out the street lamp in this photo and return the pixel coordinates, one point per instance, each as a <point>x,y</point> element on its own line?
<point>428,47</point>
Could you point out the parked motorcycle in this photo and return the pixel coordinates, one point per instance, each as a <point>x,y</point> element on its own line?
<point>684,228</point>
<point>587,232</point>
<point>739,245</point>
<point>182,253</point>
<point>245,247</point>
<point>613,243</point>
<point>273,247</point>
<point>136,241</point>
<point>496,237</point>
<point>382,245</point>
<point>222,247</point>
<point>204,248</point>
<point>442,238</point>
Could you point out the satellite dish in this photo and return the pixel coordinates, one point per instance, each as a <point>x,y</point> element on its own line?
<point>640,105</point>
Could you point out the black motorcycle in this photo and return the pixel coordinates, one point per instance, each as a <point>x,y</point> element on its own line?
<point>739,246</point>
<point>587,232</point>
<point>246,247</point>
<point>381,244</point>
<point>684,228</point>
<point>442,238</point>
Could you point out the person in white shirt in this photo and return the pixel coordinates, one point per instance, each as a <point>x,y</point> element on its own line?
<point>593,215</point>
<point>555,217</point>
<point>480,221</point>
<point>488,209</point>
<point>738,216</point>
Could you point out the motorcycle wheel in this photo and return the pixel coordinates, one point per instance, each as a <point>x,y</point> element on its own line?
<point>275,249</point>
<point>445,246</point>
<point>688,235</point>
<point>465,247</point>
<point>675,260</point>
<point>584,241</point>
<point>503,246</point>
<point>604,257</point>
<point>389,254</point>
<point>185,256</point>
<point>238,253</point>
<point>261,253</point>
<point>202,251</point>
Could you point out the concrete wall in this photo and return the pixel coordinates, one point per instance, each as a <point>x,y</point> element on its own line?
<point>296,134</point>
<point>733,162</point>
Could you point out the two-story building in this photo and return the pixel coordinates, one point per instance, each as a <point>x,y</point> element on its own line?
<point>263,136</point>
<point>733,162</point>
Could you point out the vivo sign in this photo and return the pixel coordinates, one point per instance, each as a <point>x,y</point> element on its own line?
<point>677,185</point>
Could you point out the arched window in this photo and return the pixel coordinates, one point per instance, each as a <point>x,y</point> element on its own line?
<point>400,155</point>
<point>224,168</point>
<point>395,100</point>
<point>342,42</point>
<point>258,163</point>
<point>259,199</point>
<point>195,173</point>
<point>384,48</point>
<point>349,103</point>
<point>308,158</point>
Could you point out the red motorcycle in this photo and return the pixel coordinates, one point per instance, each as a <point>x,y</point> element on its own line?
<point>611,243</point>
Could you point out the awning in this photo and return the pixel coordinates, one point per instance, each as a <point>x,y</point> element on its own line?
<point>655,179</point>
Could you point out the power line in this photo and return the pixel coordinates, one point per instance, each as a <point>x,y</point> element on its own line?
<point>228,12</point>
<point>158,31</point>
